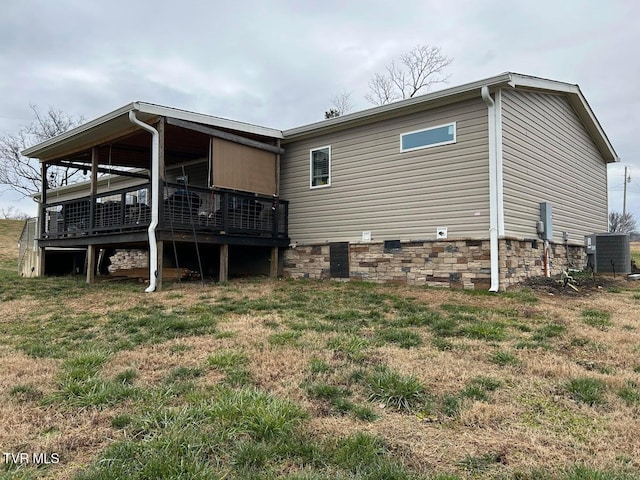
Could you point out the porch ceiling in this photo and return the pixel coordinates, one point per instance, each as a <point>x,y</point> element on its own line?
<point>134,149</point>
<point>123,144</point>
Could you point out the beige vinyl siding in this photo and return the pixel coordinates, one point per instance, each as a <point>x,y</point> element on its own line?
<point>83,189</point>
<point>197,173</point>
<point>549,156</point>
<point>375,187</point>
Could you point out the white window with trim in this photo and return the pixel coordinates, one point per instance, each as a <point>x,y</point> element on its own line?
<point>320,167</point>
<point>428,137</point>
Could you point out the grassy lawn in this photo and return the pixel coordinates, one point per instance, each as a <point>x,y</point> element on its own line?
<point>315,380</point>
<point>635,252</point>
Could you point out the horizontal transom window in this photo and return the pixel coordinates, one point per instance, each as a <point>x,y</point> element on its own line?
<point>428,137</point>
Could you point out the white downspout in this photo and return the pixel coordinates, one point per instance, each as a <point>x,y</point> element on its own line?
<point>155,200</point>
<point>493,191</point>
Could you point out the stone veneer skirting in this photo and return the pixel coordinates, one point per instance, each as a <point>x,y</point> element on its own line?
<point>451,263</point>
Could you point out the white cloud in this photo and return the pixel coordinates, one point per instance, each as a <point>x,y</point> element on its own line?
<point>279,63</point>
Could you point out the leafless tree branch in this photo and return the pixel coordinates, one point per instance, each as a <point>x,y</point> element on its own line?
<point>616,224</point>
<point>381,90</point>
<point>340,105</point>
<point>13,213</point>
<point>22,174</point>
<point>342,102</point>
<point>416,72</point>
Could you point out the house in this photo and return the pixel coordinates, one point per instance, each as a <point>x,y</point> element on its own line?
<point>478,186</point>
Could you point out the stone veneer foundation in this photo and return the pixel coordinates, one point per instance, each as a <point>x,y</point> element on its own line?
<point>451,263</point>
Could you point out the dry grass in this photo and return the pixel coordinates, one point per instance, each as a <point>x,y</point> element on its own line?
<point>29,426</point>
<point>10,231</point>
<point>529,421</point>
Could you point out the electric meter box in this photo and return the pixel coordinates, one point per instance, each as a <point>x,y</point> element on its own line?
<point>546,216</point>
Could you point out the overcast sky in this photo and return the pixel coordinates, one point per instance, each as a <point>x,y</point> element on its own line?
<point>278,63</point>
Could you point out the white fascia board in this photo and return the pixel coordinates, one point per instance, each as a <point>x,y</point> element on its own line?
<point>152,110</point>
<point>452,92</point>
<point>507,79</point>
<point>34,151</point>
<point>159,110</point>
<point>578,101</point>
<point>603,140</point>
<point>527,81</point>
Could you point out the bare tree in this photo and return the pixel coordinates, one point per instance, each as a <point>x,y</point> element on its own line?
<point>416,72</point>
<point>382,90</point>
<point>12,213</point>
<point>616,223</point>
<point>340,105</point>
<point>22,174</point>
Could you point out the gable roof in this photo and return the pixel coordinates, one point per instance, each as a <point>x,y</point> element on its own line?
<point>463,92</point>
<point>113,124</point>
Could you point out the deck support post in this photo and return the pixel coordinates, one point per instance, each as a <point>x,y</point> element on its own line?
<point>42,217</point>
<point>160,127</point>
<point>224,263</point>
<point>93,189</point>
<point>91,264</point>
<point>41,258</point>
<point>158,273</point>
<point>274,263</point>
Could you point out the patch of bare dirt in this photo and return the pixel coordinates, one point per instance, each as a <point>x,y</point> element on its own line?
<point>584,285</point>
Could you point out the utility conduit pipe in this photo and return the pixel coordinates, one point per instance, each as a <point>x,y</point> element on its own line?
<point>155,199</point>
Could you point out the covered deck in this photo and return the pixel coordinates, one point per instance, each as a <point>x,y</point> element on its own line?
<point>157,175</point>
